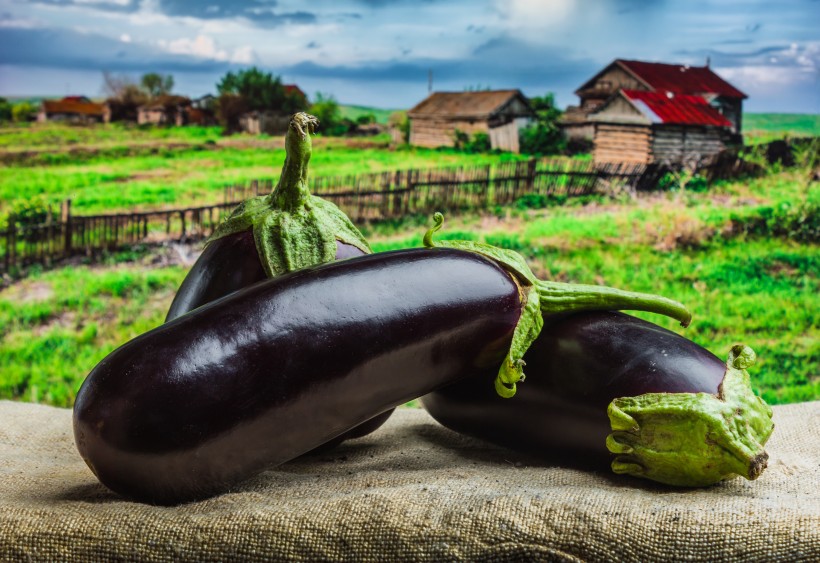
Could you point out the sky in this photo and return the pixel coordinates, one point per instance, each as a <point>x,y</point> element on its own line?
<point>380,53</point>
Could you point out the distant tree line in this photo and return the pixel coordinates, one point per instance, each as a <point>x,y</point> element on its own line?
<point>252,89</point>
<point>20,111</point>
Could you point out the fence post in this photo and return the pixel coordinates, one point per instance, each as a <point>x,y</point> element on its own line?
<point>46,245</point>
<point>182,220</point>
<point>65,219</point>
<point>11,241</point>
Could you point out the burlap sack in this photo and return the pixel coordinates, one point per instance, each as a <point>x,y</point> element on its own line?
<point>412,491</point>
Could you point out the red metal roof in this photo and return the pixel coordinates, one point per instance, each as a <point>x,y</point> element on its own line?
<point>679,109</point>
<point>293,89</point>
<point>681,79</point>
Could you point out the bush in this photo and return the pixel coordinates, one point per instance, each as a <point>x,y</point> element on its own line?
<point>23,111</point>
<point>326,110</point>
<point>795,221</point>
<point>398,120</point>
<point>542,139</point>
<point>540,201</point>
<point>544,136</point>
<point>29,213</point>
<point>671,181</point>
<point>5,110</point>
<point>478,143</point>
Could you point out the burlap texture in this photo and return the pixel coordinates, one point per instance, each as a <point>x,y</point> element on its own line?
<point>412,491</point>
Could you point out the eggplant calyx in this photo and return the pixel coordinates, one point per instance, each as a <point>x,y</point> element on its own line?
<point>292,228</point>
<point>693,439</point>
<point>540,298</point>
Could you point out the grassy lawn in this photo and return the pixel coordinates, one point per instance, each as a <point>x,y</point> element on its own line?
<point>116,178</point>
<point>763,127</point>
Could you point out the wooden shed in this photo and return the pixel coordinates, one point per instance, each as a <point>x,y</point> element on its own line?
<point>164,110</point>
<point>622,74</point>
<point>645,127</point>
<point>73,109</point>
<point>499,113</point>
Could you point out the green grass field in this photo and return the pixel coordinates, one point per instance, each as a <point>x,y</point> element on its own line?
<point>763,127</point>
<point>743,255</point>
<point>181,167</point>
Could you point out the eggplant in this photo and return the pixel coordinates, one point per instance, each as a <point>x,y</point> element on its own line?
<point>257,378</point>
<point>603,383</point>
<point>251,246</point>
<point>228,264</point>
<point>269,235</point>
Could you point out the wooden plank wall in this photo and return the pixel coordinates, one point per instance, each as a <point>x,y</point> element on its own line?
<point>438,132</point>
<point>622,143</point>
<point>505,137</point>
<point>676,144</point>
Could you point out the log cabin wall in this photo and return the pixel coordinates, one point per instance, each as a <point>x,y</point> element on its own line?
<point>440,132</point>
<point>621,142</point>
<point>675,144</point>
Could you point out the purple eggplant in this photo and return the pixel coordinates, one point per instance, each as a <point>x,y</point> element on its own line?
<point>259,377</point>
<point>274,234</point>
<point>603,383</point>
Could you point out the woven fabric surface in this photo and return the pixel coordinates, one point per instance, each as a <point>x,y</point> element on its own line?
<point>411,491</point>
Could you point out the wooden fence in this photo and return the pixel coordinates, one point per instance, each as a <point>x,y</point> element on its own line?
<point>90,235</point>
<point>365,197</point>
<point>386,195</point>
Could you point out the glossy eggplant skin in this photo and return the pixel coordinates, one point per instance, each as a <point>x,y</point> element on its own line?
<point>576,367</point>
<point>231,263</point>
<point>259,377</point>
<point>226,265</point>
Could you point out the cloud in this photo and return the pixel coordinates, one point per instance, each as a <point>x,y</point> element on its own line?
<point>122,6</point>
<point>205,47</point>
<point>502,62</point>
<point>64,48</point>
<point>256,11</point>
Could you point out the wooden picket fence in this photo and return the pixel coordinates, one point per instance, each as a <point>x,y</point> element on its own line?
<point>92,235</point>
<point>364,197</point>
<point>387,195</point>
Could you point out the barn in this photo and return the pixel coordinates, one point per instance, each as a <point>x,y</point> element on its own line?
<point>164,110</point>
<point>73,109</point>
<point>663,78</point>
<point>501,114</point>
<point>644,127</point>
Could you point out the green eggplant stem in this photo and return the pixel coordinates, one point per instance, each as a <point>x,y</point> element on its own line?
<point>548,298</point>
<point>293,229</point>
<point>693,439</point>
<point>291,192</point>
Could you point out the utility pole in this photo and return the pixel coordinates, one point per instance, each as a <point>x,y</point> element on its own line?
<point>430,81</point>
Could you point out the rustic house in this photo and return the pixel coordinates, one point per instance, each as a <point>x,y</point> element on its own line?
<point>644,127</point>
<point>73,109</point>
<point>292,90</point>
<point>164,110</point>
<point>499,113</point>
<point>652,77</point>
<point>269,122</point>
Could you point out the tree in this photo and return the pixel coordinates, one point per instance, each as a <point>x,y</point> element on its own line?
<point>157,84</point>
<point>123,89</point>
<point>326,109</point>
<point>23,111</point>
<point>5,110</point>
<point>260,90</point>
<point>544,136</point>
